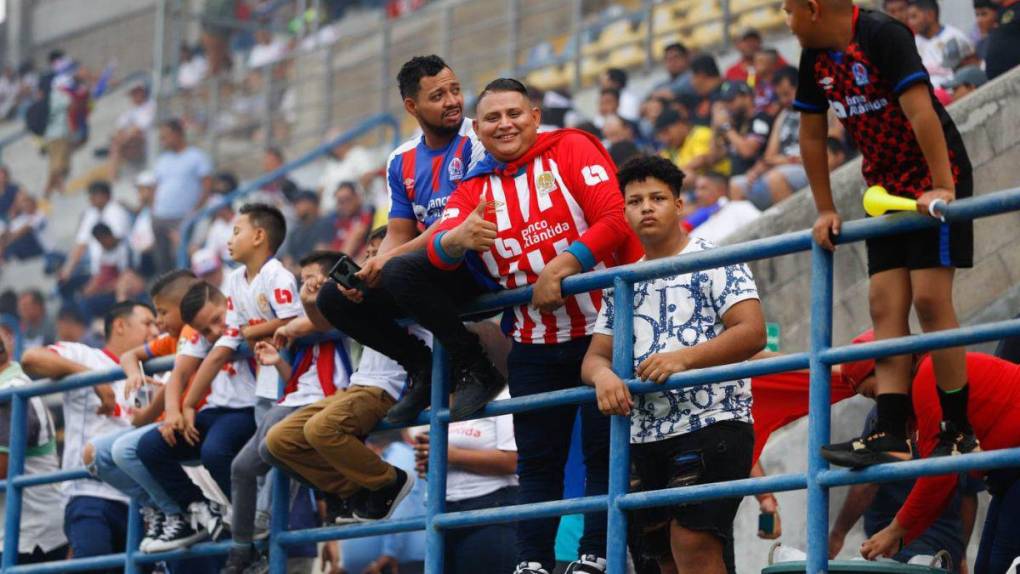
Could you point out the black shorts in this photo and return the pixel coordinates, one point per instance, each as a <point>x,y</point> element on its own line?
<point>948,245</point>
<point>719,452</point>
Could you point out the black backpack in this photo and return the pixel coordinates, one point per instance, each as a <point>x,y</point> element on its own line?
<point>37,116</point>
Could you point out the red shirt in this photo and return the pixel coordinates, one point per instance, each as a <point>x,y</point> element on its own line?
<point>561,195</point>
<point>993,408</point>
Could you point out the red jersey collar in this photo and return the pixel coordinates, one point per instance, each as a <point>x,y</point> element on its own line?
<point>111,354</point>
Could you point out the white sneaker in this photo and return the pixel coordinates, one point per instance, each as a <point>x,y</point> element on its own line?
<point>177,533</point>
<point>587,564</point>
<point>530,568</point>
<point>153,521</point>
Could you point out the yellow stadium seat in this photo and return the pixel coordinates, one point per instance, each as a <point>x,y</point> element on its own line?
<point>628,56</point>
<point>707,34</point>
<point>738,6</point>
<point>548,77</point>
<point>703,12</point>
<point>667,18</point>
<point>767,18</point>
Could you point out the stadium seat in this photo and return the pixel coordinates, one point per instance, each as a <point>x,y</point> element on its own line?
<point>629,56</point>
<point>765,18</point>
<point>738,6</point>
<point>707,34</point>
<point>549,77</point>
<point>667,18</point>
<point>703,12</point>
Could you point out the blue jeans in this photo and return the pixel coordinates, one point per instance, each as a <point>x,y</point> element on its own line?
<point>492,544</point>
<point>543,442</point>
<point>222,434</point>
<point>1000,540</point>
<point>117,464</point>
<point>95,526</point>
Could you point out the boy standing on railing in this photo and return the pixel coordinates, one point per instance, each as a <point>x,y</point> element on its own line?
<point>689,321</point>
<point>865,66</point>
<point>95,518</point>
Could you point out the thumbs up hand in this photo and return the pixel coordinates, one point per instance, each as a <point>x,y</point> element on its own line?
<point>475,233</point>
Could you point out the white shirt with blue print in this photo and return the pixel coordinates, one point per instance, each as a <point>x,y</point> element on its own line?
<point>681,311</point>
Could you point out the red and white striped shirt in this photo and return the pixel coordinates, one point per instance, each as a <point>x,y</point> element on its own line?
<point>561,195</point>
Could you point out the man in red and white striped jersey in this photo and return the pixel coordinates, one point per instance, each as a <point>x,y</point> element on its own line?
<point>536,209</point>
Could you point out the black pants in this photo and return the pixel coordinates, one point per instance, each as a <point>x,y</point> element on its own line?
<point>492,544</point>
<point>37,556</point>
<point>412,287</point>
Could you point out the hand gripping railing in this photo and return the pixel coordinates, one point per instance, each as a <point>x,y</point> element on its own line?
<point>818,359</point>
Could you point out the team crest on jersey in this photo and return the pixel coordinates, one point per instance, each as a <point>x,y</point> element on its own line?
<point>860,74</point>
<point>263,302</point>
<point>827,83</point>
<point>546,183</point>
<point>455,170</point>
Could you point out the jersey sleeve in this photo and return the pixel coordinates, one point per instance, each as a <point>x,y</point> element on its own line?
<point>400,204</point>
<point>231,337</point>
<point>161,347</point>
<point>809,96</point>
<point>505,440</point>
<point>195,345</point>
<point>604,322</point>
<point>284,298</point>
<point>590,174</point>
<point>894,52</point>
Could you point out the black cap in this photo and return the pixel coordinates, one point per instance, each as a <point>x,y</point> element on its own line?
<point>667,118</point>
<point>730,89</point>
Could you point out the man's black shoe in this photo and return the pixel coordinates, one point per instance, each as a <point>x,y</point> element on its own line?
<point>954,441</point>
<point>477,384</point>
<point>876,448</point>
<point>380,504</point>
<point>339,510</point>
<point>240,559</point>
<point>417,396</point>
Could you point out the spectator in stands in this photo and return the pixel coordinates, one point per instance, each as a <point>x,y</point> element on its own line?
<point>58,136</point>
<point>347,162</point>
<point>8,93</point>
<point>679,440</point>
<point>965,81</point>
<point>41,536</point>
<point>897,9</point>
<point>744,130</point>
<point>706,82</point>
<point>943,47</point>
<point>766,63</point>
<point>629,102</point>
<point>319,371</point>
<point>192,68</point>
<point>183,184</point>
<point>352,222</point>
<point>95,518</point>
<point>620,139</point>
<point>216,30</point>
<point>102,209</point>
<point>36,328</point>
<point>25,236</point>
<point>9,191</point>
<point>676,59</point>
<point>221,227</point>
<point>986,17</point>
<point>71,326</point>
<point>693,149</point>
<point>207,266</point>
<point>1004,41</point>
<point>308,232</point>
<point>837,153</point>
<point>100,292</point>
<point>747,46</point>
<point>267,49</point>
<point>128,141</point>
<point>728,216</point>
<point>141,239</point>
<point>609,105</point>
<point>282,190</point>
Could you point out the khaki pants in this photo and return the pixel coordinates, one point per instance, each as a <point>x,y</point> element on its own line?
<point>324,442</point>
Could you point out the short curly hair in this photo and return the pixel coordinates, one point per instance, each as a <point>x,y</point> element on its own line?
<point>643,167</point>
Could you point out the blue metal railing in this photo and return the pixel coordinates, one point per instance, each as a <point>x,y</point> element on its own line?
<point>365,127</point>
<point>817,480</point>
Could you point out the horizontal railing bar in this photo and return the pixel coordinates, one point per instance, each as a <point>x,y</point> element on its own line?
<point>522,512</point>
<point>196,551</point>
<point>290,538</point>
<point>923,342</point>
<point>81,380</point>
<point>988,460</point>
<point>72,565</point>
<point>716,490</point>
<point>26,480</point>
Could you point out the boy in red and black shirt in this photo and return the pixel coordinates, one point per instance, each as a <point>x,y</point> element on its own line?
<point>865,66</point>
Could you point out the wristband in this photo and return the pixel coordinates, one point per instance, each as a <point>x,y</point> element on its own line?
<point>935,211</point>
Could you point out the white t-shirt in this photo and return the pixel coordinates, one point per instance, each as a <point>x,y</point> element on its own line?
<point>37,222</point>
<point>378,370</point>
<point>731,216</point>
<point>309,386</point>
<point>264,54</point>
<point>357,162</point>
<point>141,117</point>
<point>943,53</point>
<point>272,294</point>
<point>234,385</point>
<point>190,74</point>
<point>114,215</point>
<point>672,313</point>
<point>490,433</point>
<point>81,423</point>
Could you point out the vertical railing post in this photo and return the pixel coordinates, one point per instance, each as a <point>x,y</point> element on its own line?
<point>819,410</point>
<point>619,430</point>
<point>727,15</point>
<point>438,437</point>
<point>280,513</point>
<point>15,466</point>
<point>134,537</point>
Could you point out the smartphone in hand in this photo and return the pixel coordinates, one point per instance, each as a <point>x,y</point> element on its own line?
<point>343,273</point>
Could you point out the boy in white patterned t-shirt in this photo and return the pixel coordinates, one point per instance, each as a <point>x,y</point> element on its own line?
<point>694,435</point>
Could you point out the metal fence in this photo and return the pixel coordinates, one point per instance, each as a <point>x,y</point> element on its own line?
<point>819,359</point>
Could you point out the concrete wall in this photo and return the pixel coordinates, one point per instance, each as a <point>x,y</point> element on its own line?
<point>989,121</point>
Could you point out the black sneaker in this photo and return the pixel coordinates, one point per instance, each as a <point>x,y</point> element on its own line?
<point>240,559</point>
<point>417,396</point>
<point>477,384</point>
<point>177,533</point>
<point>876,448</point>
<point>380,504</point>
<point>152,519</point>
<point>954,441</point>
<point>339,510</point>
<point>587,564</point>
<point>530,568</point>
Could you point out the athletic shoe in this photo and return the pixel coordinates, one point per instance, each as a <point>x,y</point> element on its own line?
<point>587,564</point>
<point>339,510</point>
<point>177,533</point>
<point>478,383</point>
<point>240,559</point>
<point>152,519</point>
<point>416,398</point>
<point>530,568</point>
<point>954,441</point>
<point>876,448</point>
<point>380,504</point>
<point>207,516</point>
